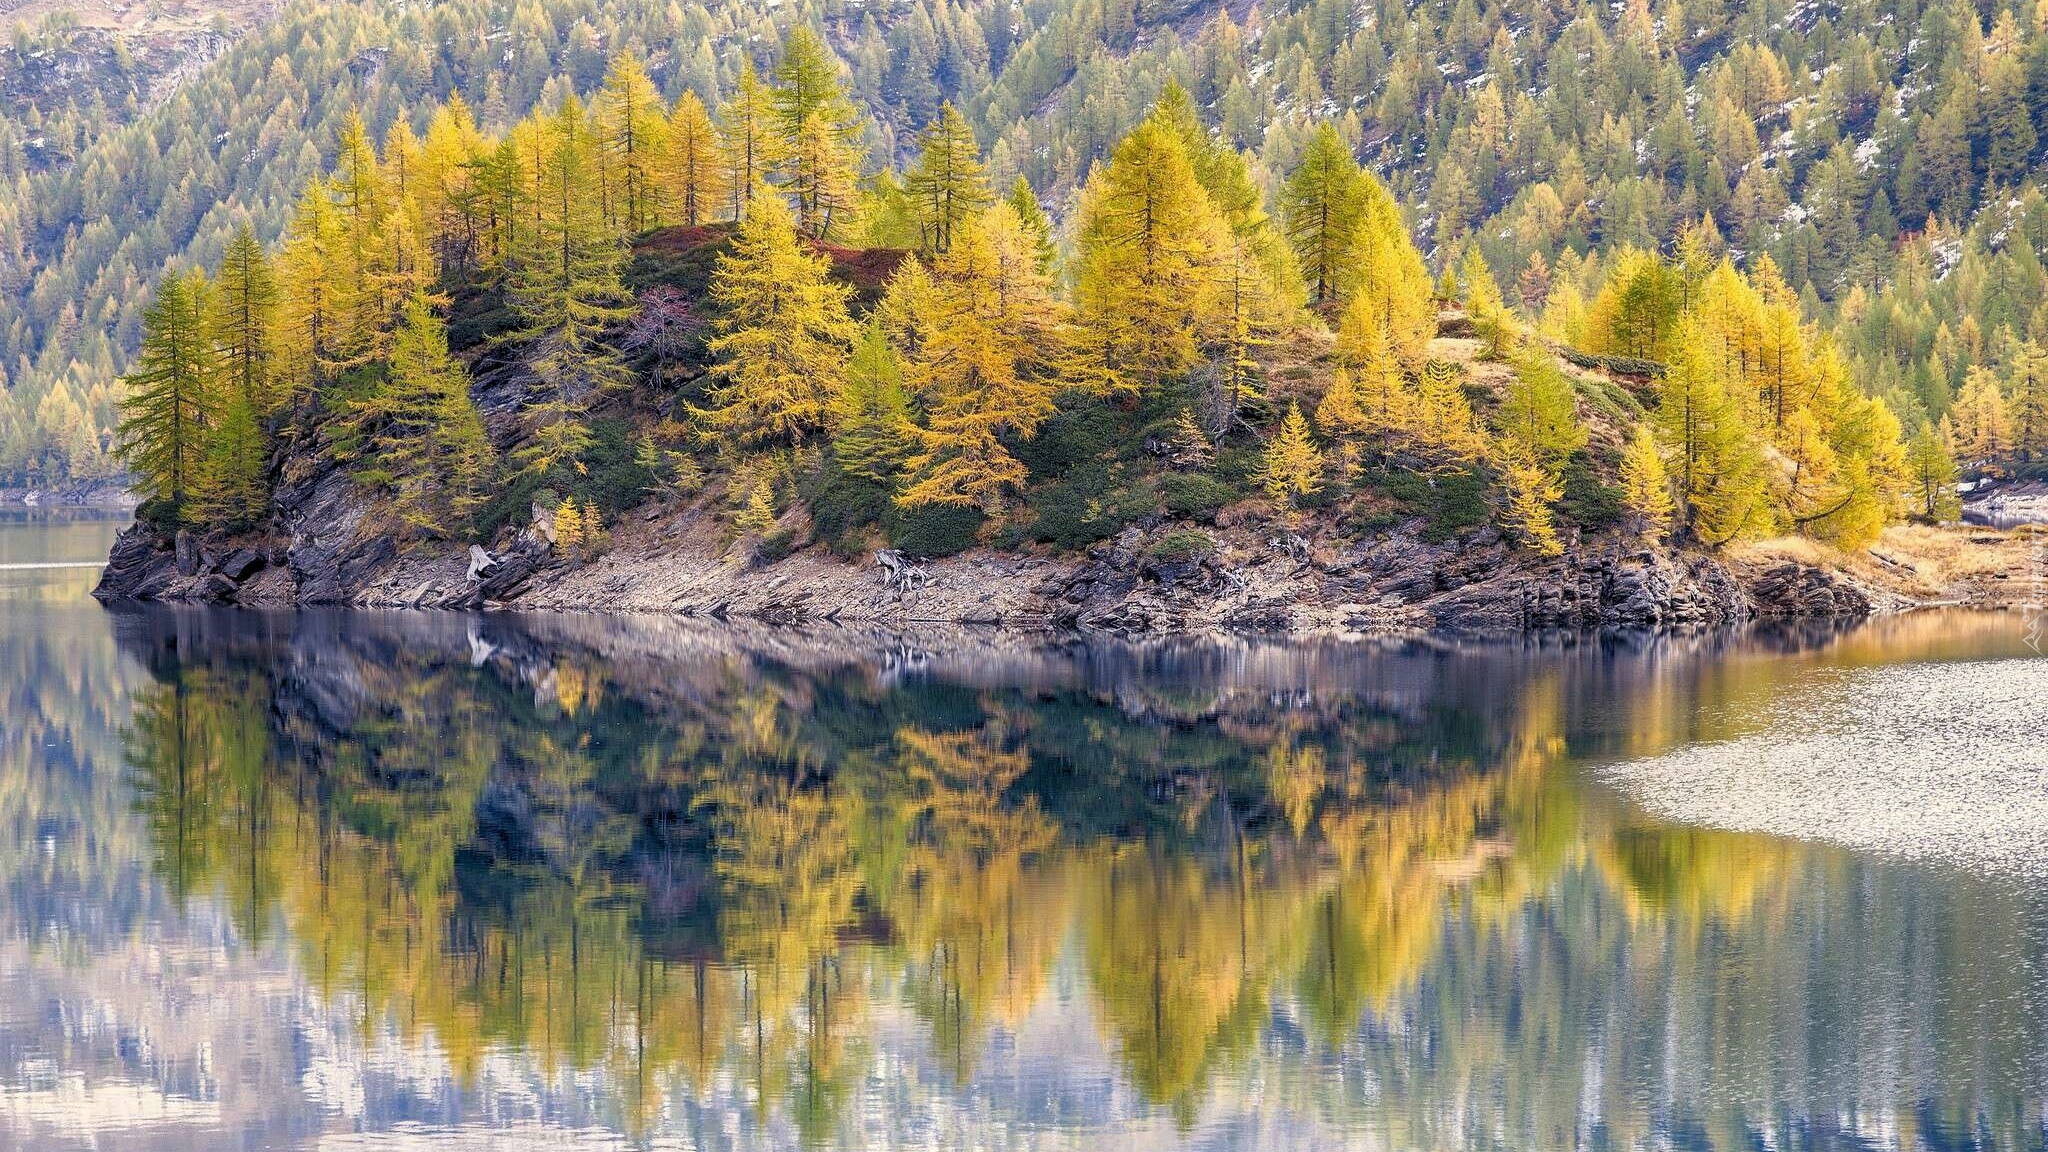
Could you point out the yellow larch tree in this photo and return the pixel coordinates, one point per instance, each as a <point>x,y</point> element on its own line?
<point>692,163</point>
<point>1146,286</point>
<point>783,333</point>
<point>987,367</point>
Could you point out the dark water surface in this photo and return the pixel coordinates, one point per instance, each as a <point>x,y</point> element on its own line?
<point>421,880</point>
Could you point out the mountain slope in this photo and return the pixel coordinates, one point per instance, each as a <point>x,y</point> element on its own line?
<point>1886,156</point>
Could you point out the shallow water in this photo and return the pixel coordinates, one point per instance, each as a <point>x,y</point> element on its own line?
<point>420,880</point>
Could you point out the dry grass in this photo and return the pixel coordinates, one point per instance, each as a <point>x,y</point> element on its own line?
<point>1978,566</point>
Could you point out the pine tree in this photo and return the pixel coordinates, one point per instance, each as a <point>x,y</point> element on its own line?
<point>164,419</point>
<point>783,333</point>
<point>630,133</point>
<point>564,285</point>
<point>693,166</point>
<point>1933,473</point>
<point>244,316</point>
<point>1293,465</point>
<point>870,417</point>
<point>1646,488</point>
<point>987,367</point>
<point>1024,202</point>
<point>948,183</point>
<point>428,444</point>
<point>1323,204</point>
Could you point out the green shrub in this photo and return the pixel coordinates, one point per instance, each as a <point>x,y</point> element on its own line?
<point>1093,503</point>
<point>1089,433</point>
<point>1588,501</point>
<point>614,477</point>
<point>1182,545</point>
<point>776,545</point>
<point>1195,495</point>
<point>511,505</point>
<point>842,505</point>
<point>1455,503</point>
<point>932,529</point>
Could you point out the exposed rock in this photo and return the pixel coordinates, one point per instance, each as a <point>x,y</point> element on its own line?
<point>240,563</point>
<point>1801,590</point>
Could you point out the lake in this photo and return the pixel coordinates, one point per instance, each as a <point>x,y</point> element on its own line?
<point>432,880</point>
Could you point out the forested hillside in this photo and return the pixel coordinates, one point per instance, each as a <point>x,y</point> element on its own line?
<point>632,300</point>
<point>1882,155</point>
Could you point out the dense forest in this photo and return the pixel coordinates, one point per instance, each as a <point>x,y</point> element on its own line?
<point>672,297</point>
<point>1883,155</point>
<point>1852,370</point>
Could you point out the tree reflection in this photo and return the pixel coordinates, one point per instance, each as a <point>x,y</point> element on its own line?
<point>732,869</point>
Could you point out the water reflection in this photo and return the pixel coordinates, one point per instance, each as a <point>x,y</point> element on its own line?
<point>391,873</point>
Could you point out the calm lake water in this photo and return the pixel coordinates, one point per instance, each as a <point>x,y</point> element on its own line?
<point>390,880</point>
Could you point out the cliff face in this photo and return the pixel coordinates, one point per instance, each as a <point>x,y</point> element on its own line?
<point>322,548</point>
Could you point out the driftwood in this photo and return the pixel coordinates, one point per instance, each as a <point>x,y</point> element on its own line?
<point>898,571</point>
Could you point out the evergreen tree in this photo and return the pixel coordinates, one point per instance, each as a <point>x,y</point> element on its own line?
<point>948,183</point>
<point>783,333</point>
<point>564,285</point>
<point>1323,204</point>
<point>244,315</point>
<point>165,417</point>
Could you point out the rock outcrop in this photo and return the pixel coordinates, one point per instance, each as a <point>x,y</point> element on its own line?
<point>1153,579</point>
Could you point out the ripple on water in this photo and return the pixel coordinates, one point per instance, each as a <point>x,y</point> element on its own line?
<point>1938,762</point>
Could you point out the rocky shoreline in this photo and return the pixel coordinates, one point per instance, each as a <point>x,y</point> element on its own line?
<point>323,549</point>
